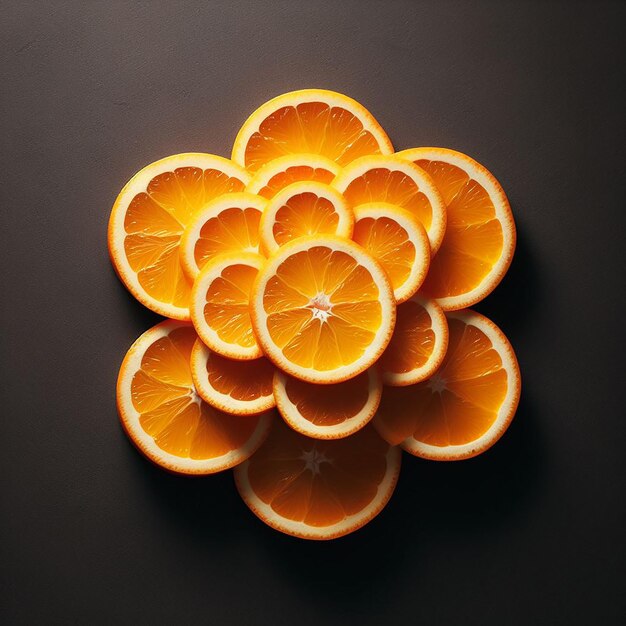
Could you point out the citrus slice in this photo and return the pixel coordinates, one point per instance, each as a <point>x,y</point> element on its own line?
<point>319,489</point>
<point>230,223</point>
<point>323,309</point>
<point>148,219</point>
<point>480,237</point>
<point>304,208</point>
<point>398,240</point>
<point>466,406</point>
<point>384,178</point>
<point>165,418</point>
<point>328,411</point>
<point>418,344</point>
<point>237,387</point>
<point>220,305</point>
<point>309,121</point>
<point>291,168</point>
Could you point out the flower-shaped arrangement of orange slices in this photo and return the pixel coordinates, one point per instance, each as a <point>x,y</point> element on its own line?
<point>317,285</point>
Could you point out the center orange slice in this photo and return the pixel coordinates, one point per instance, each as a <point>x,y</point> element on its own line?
<point>164,416</point>
<point>319,489</point>
<point>323,309</point>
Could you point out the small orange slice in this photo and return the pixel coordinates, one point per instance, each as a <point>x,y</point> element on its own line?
<point>328,411</point>
<point>220,305</point>
<point>237,387</point>
<point>395,181</point>
<point>309,121</point>
<point>323,309</point>
<point>304,208</point>
<point>165,418</point>
<point>418,344</point>
<point>480,238</point>
<point>148,220</point>
<point>319,489</point>
<point>291,168</point>
<point>398,240</point>
<point>230,223</point>
<point>466,406</point>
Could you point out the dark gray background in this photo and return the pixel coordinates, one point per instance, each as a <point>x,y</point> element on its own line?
<point>530,533</point>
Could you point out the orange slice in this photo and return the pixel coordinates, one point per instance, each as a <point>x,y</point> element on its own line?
<point>418,344</point>
<point>220,305</point>
<point>398,240</point>
<point>319,489</point>
<point>466,406</point>
<point>149,217</point>
<point>396,181</point>
<point>309,121</point>
<point>237,387</point>
<point>328,411</point>
<point>165,418</point>
<point>304,208</point>
<point>230,223</point>
<point>291,168</point>
<point>480,237</point>
<point>323,309</point>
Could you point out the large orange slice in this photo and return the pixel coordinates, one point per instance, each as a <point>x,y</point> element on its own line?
<point>328,411</point>
<point>323,309</point>
<point>480,238</point>
<point>466,406</point>
<point>390,179</point>
<point>319,489</point>
<point>165,418</point>
<point>291,168</point>
<point>148,219</point>
<point>309,121</point>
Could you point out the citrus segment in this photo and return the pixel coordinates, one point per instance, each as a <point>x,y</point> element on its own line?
<point>466,406</point>
<point>309,121</point>
<point>165,418</point>
<point>319,489</point>
<point>480,237</point>
<point>149,217</point>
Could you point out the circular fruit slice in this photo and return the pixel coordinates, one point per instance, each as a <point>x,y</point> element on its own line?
<point>398,240</point>
<point>309,121</point>
<point>396,181</point>
<point>466,406</point>
<point>480,237</point>
<point>323,309</point>
<point>237,387</point>
<point>418,344</point>
<point>148,219</point>
<point>328,411</point>
<point>220,305</point>
<point>291,168</point>
<point>304,208</point>
<point>319,489</point>
<point>230,223</point>
<point>166,419</point>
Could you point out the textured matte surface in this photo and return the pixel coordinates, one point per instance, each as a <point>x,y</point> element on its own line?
<point>91,533</point>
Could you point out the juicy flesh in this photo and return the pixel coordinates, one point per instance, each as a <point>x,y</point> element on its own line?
<point>323,308</point>
<point>474,238</point>
<point>313,127</point>
<point>317,482</point>
<point>233,230</point>
<point>304,214</point>
<point>155,220</point>
<point>295,174</point>
<point>226,310</point>
<point>413,339</point>
<point>459,403</point>
<point>241,380</point>
<point>386,240</point>
<point>384,185</point>
<point>170,410</point>
<point>329,405</point>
